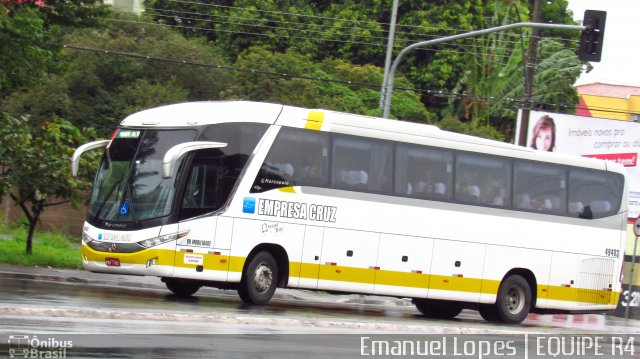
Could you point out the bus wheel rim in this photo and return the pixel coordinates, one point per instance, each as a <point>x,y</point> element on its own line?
<point>263,277</point>
<point>515,300</point>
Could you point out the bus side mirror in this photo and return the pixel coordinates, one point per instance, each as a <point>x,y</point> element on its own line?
<point>75,159</point>
<point>177,151</point>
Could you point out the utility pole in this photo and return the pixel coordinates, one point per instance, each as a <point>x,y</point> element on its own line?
<point>390,41</point>
<point>529,69</point>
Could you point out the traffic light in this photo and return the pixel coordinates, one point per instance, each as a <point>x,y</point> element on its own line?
<point>590,48</point>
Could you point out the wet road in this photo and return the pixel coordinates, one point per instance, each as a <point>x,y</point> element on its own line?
<point>28,306</point>
<point>124,322</point>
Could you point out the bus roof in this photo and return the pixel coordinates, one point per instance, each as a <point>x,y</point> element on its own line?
<point>190,114</point>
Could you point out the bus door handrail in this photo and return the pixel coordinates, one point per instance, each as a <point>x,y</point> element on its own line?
<point>177,151</point>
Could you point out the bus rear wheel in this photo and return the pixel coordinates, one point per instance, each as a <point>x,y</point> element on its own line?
<point>182,288</point>
<point>437,309</point>
<point>489,312</point>
<point>514,300</point>
<point>260,279</point>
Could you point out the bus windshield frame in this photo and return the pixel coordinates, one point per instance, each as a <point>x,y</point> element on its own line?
<point>129,186</point>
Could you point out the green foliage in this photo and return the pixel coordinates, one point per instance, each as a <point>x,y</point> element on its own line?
<point>345,41</point>
<point>494,76</point>
<point>30,37</point>
<point>453,124</point>
<point>74,13</point>
<point>22,54</point>
<point>98,90</point>
<point>326,30</point>
<point>52,249</point>
<point>143,94</point>
<point>339,96</point>
<point>13,135</point>
<point>36,164</point>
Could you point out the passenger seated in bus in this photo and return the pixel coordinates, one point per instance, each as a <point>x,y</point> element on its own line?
<point>439,190</point>
<point>495,197</point>
<point>356,178</point>
<point>474,194</point>
<point>285,168</point>
<point>462,192</point>
<point>313,172</point>
<point>575,207</point>
<point>429,189</point>
<point>542,204</point>
<point>524,201</point>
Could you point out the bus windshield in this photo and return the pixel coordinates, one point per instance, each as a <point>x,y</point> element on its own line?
<point>129,186</point>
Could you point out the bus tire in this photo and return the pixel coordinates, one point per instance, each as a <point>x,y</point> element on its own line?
<point>182,288</point>
<point>260,279</point>
<point>489,312</point>
<point>437,309</point>
<point>514,299</point>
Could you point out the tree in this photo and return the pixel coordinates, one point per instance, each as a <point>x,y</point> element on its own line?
<point>22,52</point>
<point>30,36</point>
<point>326,30</point>
<point>352,92</point>
<point>36,165</point>
<point>88,88</point>
<point>492,86</point>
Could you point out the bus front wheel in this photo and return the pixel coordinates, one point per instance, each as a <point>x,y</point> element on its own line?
<point>260,279</point>
<point>182,288</point>
<point>514,300</point>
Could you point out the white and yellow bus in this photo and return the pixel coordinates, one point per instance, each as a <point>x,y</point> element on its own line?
<point>255,196</point>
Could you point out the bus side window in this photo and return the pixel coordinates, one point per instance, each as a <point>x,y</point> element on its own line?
<point>591,193</point>
<point>297,158</point>
<point>203,189</point>
<point>540,187</point>
<point>362,164</point>
<point>483,180</point>
<point>423,172</point>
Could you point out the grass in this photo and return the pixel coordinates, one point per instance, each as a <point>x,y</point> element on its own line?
<point>50,249</point>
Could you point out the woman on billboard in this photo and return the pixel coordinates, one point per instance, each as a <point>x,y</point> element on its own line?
<point>543,136</point>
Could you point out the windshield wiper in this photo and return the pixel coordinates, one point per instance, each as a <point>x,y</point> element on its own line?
<point>106,199</point>
<point>127,189</point>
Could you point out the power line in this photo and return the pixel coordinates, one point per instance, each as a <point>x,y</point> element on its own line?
<point>381,24</point>
<point>320,25</point>
<point>350,29</point>
<point>513,102</point>
<point>303,37</point>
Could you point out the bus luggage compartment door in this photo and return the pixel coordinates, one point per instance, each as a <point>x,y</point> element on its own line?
<point>196,255</point>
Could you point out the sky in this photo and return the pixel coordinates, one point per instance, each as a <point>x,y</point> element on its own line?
<point>620,63</point>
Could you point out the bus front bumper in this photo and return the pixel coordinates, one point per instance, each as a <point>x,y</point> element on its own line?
<point>152,262</point>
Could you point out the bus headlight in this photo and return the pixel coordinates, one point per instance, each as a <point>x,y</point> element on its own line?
<point>156,241</point>
<point>86,239</point>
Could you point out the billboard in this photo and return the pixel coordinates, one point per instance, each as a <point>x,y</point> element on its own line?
<point>611,140</point>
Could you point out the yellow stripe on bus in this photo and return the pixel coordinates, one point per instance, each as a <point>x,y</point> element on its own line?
<point>315,120</point>
<point>212,261</point>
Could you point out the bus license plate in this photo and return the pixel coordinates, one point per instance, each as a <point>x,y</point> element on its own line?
<point>112,262</point>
